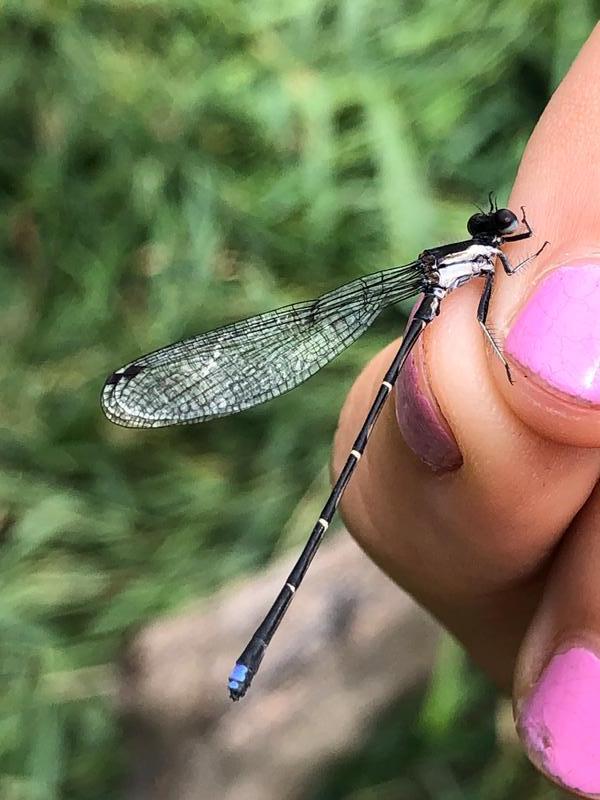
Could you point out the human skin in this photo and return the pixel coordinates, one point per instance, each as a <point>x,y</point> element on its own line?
<point>499,539</point>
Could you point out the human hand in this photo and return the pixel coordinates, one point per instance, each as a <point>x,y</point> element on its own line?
<point>498,532</point>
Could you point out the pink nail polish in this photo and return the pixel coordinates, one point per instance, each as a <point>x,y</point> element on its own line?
<point>422,424</point>
<point>557,334</point>
<point>559,722</point>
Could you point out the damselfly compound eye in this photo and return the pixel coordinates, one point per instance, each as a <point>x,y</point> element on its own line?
<point>478,223</point>
<point>506,221</point>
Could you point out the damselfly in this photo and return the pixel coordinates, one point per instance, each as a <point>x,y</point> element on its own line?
<point>248,362</point>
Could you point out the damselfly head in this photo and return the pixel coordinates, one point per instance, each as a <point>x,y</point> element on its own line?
<point>499,223</point>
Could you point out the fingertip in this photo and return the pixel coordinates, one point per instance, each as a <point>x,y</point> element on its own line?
<point>559,721</point>
<point>550,313</point>
<point>553,345</point>
<point>557,677</point>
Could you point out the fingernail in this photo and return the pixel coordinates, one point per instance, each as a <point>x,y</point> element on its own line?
<point>421,422</point>
<point>559,722</point>
<point>556,336</point>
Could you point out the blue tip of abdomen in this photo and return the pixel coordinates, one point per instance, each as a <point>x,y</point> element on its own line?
<point>238,674</point>
<point>237,682</point>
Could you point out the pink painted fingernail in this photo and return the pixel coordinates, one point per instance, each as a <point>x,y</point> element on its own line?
<point>559,723</point>
<point>557,334</point>
<point>422,423</point>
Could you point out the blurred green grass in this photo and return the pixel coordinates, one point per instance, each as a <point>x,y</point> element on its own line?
<point>167,167</point>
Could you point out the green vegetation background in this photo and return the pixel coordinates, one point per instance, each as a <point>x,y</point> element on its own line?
<point>166,167</point>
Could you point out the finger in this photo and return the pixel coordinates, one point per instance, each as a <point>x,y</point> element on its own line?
<point>557,682</point>
<point>550,315</point>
